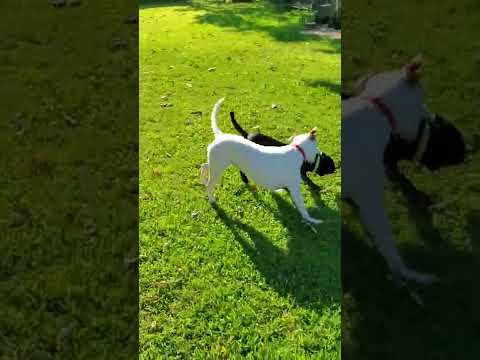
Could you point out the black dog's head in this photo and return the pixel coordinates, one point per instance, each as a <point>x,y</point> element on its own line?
<point>322,165</point>
<point>445,145</point>
<point>439,144</point>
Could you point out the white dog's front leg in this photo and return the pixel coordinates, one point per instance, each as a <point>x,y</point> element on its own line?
<point>299,203</point>
<point>375,219</point>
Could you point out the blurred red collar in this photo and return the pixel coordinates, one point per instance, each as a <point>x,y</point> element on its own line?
<point>385,110</point>
<point>301,151</point>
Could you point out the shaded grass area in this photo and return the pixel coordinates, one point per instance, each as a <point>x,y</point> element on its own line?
<point>67,227</point>
<point>269,17</point>
<point>380,321</point>
<point>246,278</point>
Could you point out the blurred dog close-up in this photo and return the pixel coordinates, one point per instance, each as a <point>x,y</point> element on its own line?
<point>385,122</point>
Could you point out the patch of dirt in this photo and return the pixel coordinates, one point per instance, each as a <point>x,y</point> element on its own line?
<point>323,31</point>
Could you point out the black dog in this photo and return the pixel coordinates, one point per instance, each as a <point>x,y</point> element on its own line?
<point>325,165</point>
<point>445,146</point>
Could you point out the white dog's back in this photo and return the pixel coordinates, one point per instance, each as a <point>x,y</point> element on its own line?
<point>251,158</point>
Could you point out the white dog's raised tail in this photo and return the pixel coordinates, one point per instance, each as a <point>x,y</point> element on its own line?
<point>216,109</point>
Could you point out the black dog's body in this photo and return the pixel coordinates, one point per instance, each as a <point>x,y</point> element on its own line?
<point>326,165</point>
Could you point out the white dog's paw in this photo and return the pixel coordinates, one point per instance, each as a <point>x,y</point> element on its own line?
<point>314,221</point>
<point>420,278</point>
<point>211,200</point>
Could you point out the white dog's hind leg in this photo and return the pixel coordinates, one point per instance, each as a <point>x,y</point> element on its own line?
<point>299,203</point>
<point>215,171</point>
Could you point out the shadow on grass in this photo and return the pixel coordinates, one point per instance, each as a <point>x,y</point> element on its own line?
<point>278,24</point>
<point>336,48</point>
<point>309,270</point>
<point>146,4</point>
<point>330,86</point>
<point>272,17</point>
<point>382,321</point>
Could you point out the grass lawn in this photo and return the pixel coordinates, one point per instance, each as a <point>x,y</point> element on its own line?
<point>250,279</point>
<point>69,188</point>
<point>380,321</point>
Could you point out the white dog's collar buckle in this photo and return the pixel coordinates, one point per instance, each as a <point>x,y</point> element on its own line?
<point>422,145</point>
<point>317,163</point>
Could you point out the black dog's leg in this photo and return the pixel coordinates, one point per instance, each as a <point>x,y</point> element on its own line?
<point>314,187</point>
<point>393,173</point>
<point>244,178</point>
<point>390,161</point>
<point>416,196</point>
<point>405,185</point>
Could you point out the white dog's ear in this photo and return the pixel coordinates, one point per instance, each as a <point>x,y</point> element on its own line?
<point>413,68</point>
<point>312,133</point>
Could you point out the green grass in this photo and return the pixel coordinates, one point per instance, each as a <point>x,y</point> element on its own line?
<point>247,279</point>
<point>380,321</point>
<point>69,191</point>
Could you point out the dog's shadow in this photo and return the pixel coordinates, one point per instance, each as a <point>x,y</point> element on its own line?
<point>380,320</point>
<point>309,269</point>
<point>418,203</point>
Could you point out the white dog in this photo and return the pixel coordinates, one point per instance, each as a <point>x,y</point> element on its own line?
<point>391,104</point>
<point>271,167</point>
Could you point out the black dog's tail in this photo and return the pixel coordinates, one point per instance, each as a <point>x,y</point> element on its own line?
<point>237,126</point>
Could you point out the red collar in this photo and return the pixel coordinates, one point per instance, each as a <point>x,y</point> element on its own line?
<point>385,110</point>
<point>301,151</point>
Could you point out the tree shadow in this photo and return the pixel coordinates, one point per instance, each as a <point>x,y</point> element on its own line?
<point>330,86</point>
<point>270,18</point>
<point>146,4</point>
<point>381,320</point>
<point>277,5</point>
<point>309,270</point>
<point>336,48</point>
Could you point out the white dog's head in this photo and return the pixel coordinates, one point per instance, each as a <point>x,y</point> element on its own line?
<point>443,143</point>
<point>402,91</point>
